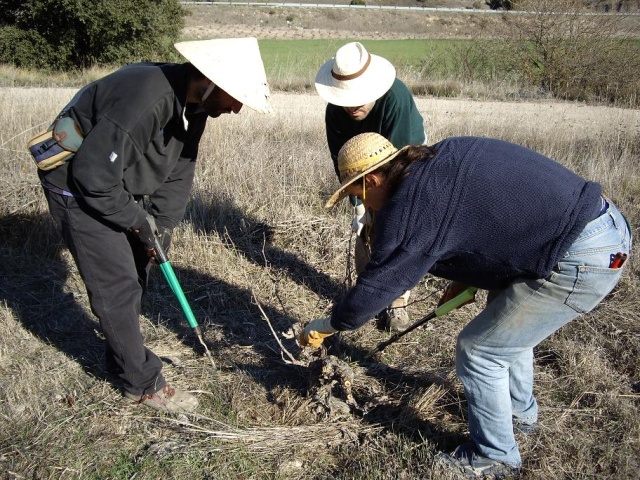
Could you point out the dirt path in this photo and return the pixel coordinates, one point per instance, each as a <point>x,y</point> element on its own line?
<point>470,117</point>
<point>209,21</point>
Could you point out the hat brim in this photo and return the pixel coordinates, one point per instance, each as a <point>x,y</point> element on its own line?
<point>234,65</point>
<point>376,80</point>
<point>342,190</point>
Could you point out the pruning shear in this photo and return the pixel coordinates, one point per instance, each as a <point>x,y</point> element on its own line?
<point>172,280</point>
<point>457,301</point>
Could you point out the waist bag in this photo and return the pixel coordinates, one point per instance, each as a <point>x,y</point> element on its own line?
<point>57,145</point>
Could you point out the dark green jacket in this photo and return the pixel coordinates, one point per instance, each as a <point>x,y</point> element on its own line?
<point>394,116</point>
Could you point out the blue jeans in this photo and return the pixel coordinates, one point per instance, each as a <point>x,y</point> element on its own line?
<point>494,353</point>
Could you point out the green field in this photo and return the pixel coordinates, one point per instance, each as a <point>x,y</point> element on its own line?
<point>478,68</point>
<point>304,57</point>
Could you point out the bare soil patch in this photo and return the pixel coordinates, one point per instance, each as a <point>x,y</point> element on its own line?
<point>314,22</point>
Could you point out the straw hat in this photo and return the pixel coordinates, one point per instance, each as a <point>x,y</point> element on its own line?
<point>360,155</point>
<point>354,77</point>
<point>233,64</point>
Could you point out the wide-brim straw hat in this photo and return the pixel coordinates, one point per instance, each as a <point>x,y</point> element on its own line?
<point>354,77</point>
<point>360,155</point>
<point>234,65</point>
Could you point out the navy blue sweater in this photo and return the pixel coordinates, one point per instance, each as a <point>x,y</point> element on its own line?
<point>483,212</point>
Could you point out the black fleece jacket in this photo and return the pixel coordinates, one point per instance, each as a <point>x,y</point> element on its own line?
<point>136,143</point>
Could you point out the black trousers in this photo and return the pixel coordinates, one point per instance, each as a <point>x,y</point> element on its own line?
<point>114,267</point>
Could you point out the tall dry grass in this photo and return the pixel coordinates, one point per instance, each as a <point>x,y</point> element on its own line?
<point>256,235</point>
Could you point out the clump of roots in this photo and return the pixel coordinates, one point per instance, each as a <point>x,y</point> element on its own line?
<point>330,386</point>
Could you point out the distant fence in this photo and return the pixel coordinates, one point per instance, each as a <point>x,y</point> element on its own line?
<point>604,11</point>
<point>340,5</point>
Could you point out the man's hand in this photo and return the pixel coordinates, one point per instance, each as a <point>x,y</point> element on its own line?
<point>315,332</point>
<point>359,218</point>
<point>147,233</point>
<point>452,291</point>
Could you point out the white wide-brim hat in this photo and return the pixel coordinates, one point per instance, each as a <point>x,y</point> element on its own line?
<point>354,77</point>
<point>234,65</point>
<point>360,155</point>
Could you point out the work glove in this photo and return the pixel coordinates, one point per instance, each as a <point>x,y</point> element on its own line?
<point>149,231</point>
<point>315,332</point>
<point>359,219</point>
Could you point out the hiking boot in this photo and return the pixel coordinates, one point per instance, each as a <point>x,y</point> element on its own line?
<point>466,460</point>
<point>396,316</point>
<point>397,319</point>
<point>168,399</point>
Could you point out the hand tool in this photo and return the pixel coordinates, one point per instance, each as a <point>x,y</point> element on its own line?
<point>457,301</point>
<point>172,280</point>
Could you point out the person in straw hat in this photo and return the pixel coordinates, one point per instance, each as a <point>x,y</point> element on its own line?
<point>129,180</point>
<point>364,95</point>
<point>487,213</point>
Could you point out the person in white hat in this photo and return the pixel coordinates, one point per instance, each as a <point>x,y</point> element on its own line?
<point>364,95</point>
<point>128,179</point>
<point>494,215</point>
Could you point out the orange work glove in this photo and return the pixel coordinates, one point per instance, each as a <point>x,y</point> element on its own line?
<point>315,332</point>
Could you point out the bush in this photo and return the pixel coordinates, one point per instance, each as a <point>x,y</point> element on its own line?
<point>82,33</point>
<point>576,56</point>
<point>357,2</point>
<point>27,48</point>
<point>500,4</point>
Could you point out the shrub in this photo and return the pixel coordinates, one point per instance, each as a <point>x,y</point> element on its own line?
<point>576,56</point>
<point>500,4</point>
<point>83,33</point>
<point>27,48</point>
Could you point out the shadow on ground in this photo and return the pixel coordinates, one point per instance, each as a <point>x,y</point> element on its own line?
<point>33,279</point>
<point>254,239</point>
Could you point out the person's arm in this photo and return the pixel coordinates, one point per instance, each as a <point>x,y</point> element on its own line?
<point>335,134</point>
<point>401,124</point>
<point>384,280</point>
<point>97,171</point>
<point>169,201</point>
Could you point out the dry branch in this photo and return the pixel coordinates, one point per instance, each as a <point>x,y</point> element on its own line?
<point>283,350</point>
<point>276,440</point>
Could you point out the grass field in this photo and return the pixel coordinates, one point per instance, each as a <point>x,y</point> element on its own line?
<point>258,256</point>
<point>309,55</point>
<point>256,235</point>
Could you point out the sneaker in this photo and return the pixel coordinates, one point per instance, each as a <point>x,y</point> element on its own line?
<point>526,428</point>
<point>166,400</point>
<point>466,460</point>
<point>397,319</point>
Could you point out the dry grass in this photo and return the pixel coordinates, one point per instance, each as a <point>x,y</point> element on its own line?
<point>256,232</point>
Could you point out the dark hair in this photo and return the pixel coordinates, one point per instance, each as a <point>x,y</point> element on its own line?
<point>398,169</point>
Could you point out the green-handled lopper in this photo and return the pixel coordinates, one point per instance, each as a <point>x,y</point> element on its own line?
<point>172,280</point>
<point>457,301</point>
